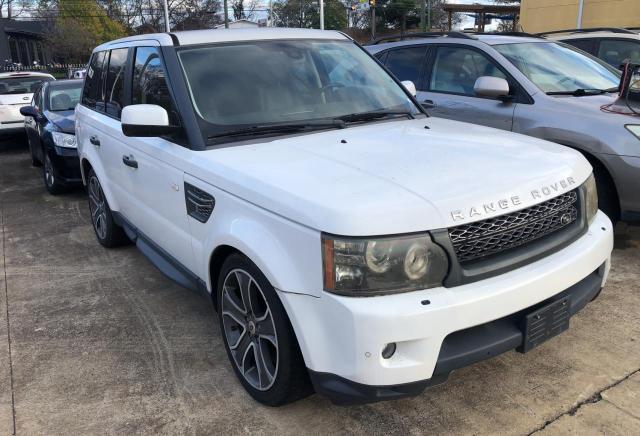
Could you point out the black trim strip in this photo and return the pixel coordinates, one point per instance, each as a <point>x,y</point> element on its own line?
<point>162,260</point>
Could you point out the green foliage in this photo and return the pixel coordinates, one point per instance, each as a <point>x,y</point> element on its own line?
<point>80,26</point>
<point>306,14</point>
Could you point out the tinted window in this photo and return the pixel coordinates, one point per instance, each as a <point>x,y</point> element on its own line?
<point>149,82</point>
<point>114,89</point>
<point>406,63</point>
<point>92,93</point>
<point>456,69</point>
<point>582,44</point>
<point>616,51</point>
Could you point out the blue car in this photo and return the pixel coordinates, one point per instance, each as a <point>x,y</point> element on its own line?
<point>49,123</point>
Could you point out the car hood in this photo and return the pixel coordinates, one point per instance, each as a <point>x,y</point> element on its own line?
<point>21,99</point>
<point>63,120</point>
<point>394,177</point>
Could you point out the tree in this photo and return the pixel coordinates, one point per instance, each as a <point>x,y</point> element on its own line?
<point>306,14</point>
<point>80,26</point>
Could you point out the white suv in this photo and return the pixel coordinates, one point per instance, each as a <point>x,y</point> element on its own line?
<point>350,243</point>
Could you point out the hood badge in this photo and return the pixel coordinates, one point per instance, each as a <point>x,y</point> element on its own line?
<point>510,202</point>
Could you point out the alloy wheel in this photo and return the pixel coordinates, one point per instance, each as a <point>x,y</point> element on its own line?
<point>249,329</point>
<point>97,208</point>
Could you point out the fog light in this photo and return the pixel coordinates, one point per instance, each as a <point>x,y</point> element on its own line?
<point>389,350</point>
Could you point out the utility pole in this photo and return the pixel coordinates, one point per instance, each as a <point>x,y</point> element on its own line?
<point>226,15</point>
<point>9,9</point>
<point>580,9</point>
<point>372,6</point>
<point>321,14</point>
<point>423,15</point>
<point>429,15</point>
<point>167,27</point>
<point>270,23</point>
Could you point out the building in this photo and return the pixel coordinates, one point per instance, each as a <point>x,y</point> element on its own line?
<point>546,15</point>
<point>23,42</point>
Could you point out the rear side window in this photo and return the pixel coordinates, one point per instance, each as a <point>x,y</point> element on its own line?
<point>583,44</point>
<point>114,89</point>
<point>149,82</point>
<point>92,96</point>
<point>406,63</point>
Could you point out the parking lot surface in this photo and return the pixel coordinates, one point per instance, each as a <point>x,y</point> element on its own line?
<point>96,341</point>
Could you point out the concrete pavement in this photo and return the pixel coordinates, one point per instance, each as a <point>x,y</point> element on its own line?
<point>101,342</point>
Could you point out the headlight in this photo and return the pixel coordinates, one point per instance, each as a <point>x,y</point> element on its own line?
<point>375,266</point>
<point>591,198</point>
<point>634,128</point>
<point>64,139</point>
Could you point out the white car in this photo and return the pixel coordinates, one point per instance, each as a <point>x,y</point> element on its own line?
<point>350,243</point>
<point>16,90</point>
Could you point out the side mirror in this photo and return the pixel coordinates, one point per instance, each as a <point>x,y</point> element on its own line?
<point>146,120</point>
<point>494,87</point>
<point>409,86</point>
<point>29,111</point>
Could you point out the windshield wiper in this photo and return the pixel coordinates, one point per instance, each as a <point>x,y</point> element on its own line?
<point>279,128</point>
<point>374,115</point>
<point>580,92</point>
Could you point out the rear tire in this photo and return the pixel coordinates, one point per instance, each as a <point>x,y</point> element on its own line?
<point>258,336</point>
<point>109,234</point>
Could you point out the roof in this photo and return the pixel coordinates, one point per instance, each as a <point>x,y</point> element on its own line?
<point>602,34</point>
<point>479,38</point>
<point>192,37</point>
<point>24,74</point>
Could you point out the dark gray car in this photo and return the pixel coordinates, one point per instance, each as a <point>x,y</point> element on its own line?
<point>532,86</point>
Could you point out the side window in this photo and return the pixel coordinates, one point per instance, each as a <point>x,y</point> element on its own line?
<point>37,98</point>
<point>92,96</point>
<point>114,89</point>
<point>149,82</point>
<point>583,44</point>
<point>456,69</point>
<point>616,51</point>
<point>406,63</point>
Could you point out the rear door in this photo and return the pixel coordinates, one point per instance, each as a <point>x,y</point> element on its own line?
<point>448,89</point>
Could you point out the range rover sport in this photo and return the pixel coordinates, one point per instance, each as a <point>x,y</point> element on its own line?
<point>351,244</point>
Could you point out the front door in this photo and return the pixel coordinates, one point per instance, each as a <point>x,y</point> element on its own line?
<point>448,91</point>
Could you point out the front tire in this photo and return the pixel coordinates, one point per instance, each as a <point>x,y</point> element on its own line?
<point>258,336</point>
<point>109,234</point>
<point>50,177</point>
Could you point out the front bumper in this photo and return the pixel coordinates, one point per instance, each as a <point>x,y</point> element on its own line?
<point>66,165</point>
<point>436,330</point>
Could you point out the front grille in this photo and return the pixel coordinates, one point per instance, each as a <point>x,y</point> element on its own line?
<point>494,235</point>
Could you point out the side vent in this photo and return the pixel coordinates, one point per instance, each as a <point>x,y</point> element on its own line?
<point>199,204</point>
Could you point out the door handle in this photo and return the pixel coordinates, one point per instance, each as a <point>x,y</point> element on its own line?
<point>94,140</point>
<point>130,161</point>
<point>428,104</point>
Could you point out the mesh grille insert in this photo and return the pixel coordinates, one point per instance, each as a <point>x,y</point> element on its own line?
<point>494,235</point>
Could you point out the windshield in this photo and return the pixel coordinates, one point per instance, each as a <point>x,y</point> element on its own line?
<point>21,85</point>
<point>286,81</point>
<point>64,97</point>
<point>559,68</point>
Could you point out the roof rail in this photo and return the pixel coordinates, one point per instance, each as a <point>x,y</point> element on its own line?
<point>591,29</point>
<point>403,36</point>
<point>508,33</point>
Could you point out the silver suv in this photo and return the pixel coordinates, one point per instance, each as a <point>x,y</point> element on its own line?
<point>532,86</point>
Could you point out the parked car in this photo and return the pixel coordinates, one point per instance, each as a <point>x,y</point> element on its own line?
<point>49,124</point>
<point>612,45</point>
<point>532,86</point>
<point>16,90</point>
<point>350,243</point>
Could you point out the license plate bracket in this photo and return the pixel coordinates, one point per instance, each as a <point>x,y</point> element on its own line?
<point>544,323</point>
